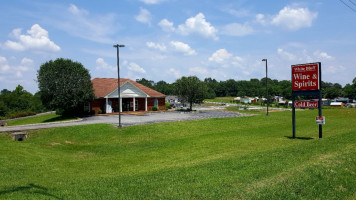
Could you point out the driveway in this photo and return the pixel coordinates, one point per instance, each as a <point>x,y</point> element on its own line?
<point>129,120</point>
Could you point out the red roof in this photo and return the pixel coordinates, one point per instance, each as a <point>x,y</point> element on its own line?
<point>104,86</point>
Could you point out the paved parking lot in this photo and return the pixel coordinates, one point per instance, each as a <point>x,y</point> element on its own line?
<point>129,120</point>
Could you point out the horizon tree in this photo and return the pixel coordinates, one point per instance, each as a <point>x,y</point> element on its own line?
<point>191,89</point>
<point>65,86</point>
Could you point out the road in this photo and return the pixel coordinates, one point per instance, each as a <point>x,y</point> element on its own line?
<point>129,120</point>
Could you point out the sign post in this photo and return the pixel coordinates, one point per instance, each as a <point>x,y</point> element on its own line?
<point>306,80</point>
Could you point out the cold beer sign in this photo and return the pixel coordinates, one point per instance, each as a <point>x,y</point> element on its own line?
<point>306,77</point>
<point>306,104</point>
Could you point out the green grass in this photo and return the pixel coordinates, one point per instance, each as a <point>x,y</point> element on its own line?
<point>39,119</point>
<point>221,99</point>
<point>231,158</point>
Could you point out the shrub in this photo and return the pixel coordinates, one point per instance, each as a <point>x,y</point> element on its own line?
<point>13,115</point>
<point>168,106</point>
<point>154,108</point>
<point>100,111</point>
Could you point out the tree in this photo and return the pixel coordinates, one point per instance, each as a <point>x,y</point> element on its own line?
<point>190,89</point>
<point>65,86</point>
<point>164,87</point>
<point>212,87</point>
<point>145,82</point>
<point>350,89</point>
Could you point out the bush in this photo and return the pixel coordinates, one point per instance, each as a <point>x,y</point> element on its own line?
<point>168,106</point>
<point>154,108</point>
<point>100,111</point>
<point>13,115</point>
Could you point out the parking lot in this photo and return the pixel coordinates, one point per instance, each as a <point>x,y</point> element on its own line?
<point>130,120</point>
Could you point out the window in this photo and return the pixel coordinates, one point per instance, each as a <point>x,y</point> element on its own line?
<point>156,103</point>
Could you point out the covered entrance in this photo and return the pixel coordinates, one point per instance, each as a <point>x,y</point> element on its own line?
<point>132,99</point>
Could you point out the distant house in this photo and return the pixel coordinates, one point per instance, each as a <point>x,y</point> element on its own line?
<point>337,104</point>
<point>342,99</point>
<point>134,96</point>
<point>172,99</point>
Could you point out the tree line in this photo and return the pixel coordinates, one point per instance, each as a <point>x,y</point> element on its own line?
<point>253,88</point>
<point>65,86</point>
<point>19,102</point>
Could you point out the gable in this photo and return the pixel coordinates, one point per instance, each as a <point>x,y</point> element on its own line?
<point>107,87</point>
<point>127,90</point>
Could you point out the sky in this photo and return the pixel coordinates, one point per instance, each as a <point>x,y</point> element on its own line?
<point>168,39</point>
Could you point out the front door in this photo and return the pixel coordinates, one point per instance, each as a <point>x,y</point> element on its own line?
<point>125,104</point>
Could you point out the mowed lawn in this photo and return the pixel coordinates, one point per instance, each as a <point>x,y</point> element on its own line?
<point>39,119</point>
<point>231,158</point>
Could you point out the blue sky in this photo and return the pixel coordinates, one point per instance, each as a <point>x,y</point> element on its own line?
<point>167,39</point>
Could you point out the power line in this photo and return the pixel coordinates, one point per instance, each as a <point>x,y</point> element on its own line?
<point>348,5</point>
<point>352,2</point>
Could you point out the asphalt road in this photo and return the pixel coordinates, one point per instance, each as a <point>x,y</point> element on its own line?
<point>129,120</point>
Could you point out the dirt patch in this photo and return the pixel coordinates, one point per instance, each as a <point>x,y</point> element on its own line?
<point>55,143</point>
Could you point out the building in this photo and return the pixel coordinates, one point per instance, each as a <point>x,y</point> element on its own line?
<point>337,104</point>
<point>134,96</point>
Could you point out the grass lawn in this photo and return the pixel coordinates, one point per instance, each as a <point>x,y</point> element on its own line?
<point>230,158</point>
<point>220,99</point>
<point>39,119</point>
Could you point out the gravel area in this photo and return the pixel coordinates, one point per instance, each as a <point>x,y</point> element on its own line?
<point>129,120</point>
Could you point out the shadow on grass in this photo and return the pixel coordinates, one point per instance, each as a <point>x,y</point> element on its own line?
<point>30,188</point>
<point>59,119</point>
<point>299,138</point>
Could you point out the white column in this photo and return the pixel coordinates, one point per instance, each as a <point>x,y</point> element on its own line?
<point>120,105</point>
<point>106,105</point>
<point>134,104</point>
<point>146,104</point>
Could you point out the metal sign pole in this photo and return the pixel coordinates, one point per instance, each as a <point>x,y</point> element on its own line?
<point>320,115</point>
<point>293,114</point>
<point>320,104</point>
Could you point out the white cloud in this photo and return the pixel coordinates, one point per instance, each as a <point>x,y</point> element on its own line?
<point>152,1</point>
<point>144,16</point>
<point>294,19</point>
<point>4,64</point>
<point>334,69</point>
<point>174,72</point>
<point>322,55</point>
<point>198,70</point>
<point>135,68</point>
<point>182,47</point>
<point>236,29</point>
<point>153,45</point>
<point>26,61</point>
<point>286,55</point>
<point>166,25</point>
<point>220,56</point>
<point>102,65</point>
<point>19,74</point>
<point>36,39</point>
<point>76,11</point>
<point>260,18</point>
<point>238,13</point>
<point>14,70</point>
<point>16,33</point>
<point>198,25</point>
<point>3,59</point>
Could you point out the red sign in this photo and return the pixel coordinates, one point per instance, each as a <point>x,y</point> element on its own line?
<point>305,104</point>
<point>306,77</point>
